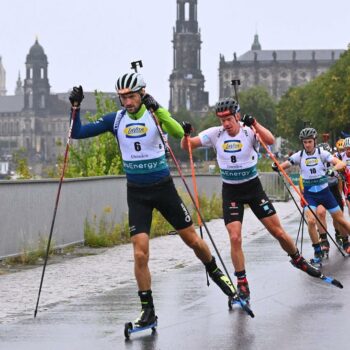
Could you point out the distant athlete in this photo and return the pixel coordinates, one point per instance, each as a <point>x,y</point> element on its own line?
<point>313,170</point>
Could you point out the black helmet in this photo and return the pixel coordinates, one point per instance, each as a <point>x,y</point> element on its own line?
<point>226,107</point>
<point>308,133</point>
<point>129,82</point>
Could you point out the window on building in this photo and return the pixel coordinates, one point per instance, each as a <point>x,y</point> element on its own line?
<point>30,100</point>
<point>42,101</point>
<point>42,73</point>
<point>187,11</point>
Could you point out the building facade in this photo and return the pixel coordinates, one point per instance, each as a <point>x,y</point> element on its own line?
<point>276,70</point>
<point>186,80</point>
<point>34,119</point>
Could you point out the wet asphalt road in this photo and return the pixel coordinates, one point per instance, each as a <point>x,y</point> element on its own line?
<point>292,310</point>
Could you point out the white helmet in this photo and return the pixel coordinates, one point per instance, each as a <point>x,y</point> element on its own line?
<point>129,82</point>
<point>347,142</point>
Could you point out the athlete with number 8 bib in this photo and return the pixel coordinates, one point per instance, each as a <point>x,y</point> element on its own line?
<point>236,148</point>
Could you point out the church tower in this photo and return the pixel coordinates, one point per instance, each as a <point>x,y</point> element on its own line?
<point>36,83</point>
<point>2,79</point>
<point>187,81</point>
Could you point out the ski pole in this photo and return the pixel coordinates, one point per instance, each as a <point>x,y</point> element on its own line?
<point>194,181</point>
<point>301,222</point>
<point>65,162</point>
<point>294,187</point>
<point>290,193</point>
<point>166,144</point>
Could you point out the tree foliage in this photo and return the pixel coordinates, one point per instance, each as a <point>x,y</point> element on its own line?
<point>257,102</point>
<point>95,156</point>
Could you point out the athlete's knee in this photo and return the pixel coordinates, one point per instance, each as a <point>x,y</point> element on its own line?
<point>311,220</point>
<point>236,239</point>
<point>141,257</point>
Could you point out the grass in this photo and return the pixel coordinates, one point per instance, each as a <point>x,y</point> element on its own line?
<point>104,232</point>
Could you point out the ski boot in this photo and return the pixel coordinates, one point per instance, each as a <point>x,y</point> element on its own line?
<point>146,320</point>
<point>317,260</point>
<point>222,281</point>
<point>324,245</point>
<point>300,263</point>
<point>346,246</point>
<point>339,239</point>
<point>243,290</point>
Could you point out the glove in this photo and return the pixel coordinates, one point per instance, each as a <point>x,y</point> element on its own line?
<point>76,96</point>
<point>248,120</point>
<point>150,102</point>
<point>330,172</point>
<point>187,128</point>
<point>275,167</point>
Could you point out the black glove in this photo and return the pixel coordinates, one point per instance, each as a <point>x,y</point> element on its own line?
<point>187,128</point>
<point>76,96</point>
<point>330,172</point>
<point>150,102</point>
<point>275,167</point>
<point>248,120</point>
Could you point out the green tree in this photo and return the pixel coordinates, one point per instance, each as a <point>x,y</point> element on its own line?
<point>95,156</point>
<point>21,165</point>
<point>324,103</point>
<point>258,102</point>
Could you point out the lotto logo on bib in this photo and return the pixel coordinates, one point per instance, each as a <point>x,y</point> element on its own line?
<point>135,130</point>
<point>311,161</point>
<point>232,146</point>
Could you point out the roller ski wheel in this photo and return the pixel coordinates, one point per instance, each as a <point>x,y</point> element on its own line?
<point>235,301</point>
<point>130,328</point>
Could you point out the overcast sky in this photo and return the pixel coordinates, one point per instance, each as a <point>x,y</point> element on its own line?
<point>91,42</point>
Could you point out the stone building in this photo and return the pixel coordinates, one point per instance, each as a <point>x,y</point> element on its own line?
<point>34,118</point>
<point>276,70</point>
<point>186,80</point>
<point>2,79</point>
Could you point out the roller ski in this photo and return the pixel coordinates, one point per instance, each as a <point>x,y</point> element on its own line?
<point>147,320</point>
<point>226,286</point>
<point>242,297</point>
<point>300,263</point>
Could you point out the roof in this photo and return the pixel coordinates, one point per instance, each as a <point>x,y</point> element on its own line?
<point>11,104</point>
<point>287,55</point>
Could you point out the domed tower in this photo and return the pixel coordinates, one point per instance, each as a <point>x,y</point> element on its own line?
<point>36,83</point>
<point>187,81</point>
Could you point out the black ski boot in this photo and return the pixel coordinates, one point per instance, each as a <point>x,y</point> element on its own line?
<point>146,318</point>
<point>324,245</point>
<point>317,260</point>
<point>338,238</point>
<point>346,246</point>
<point>220,278</point>
<point>300,263</point>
